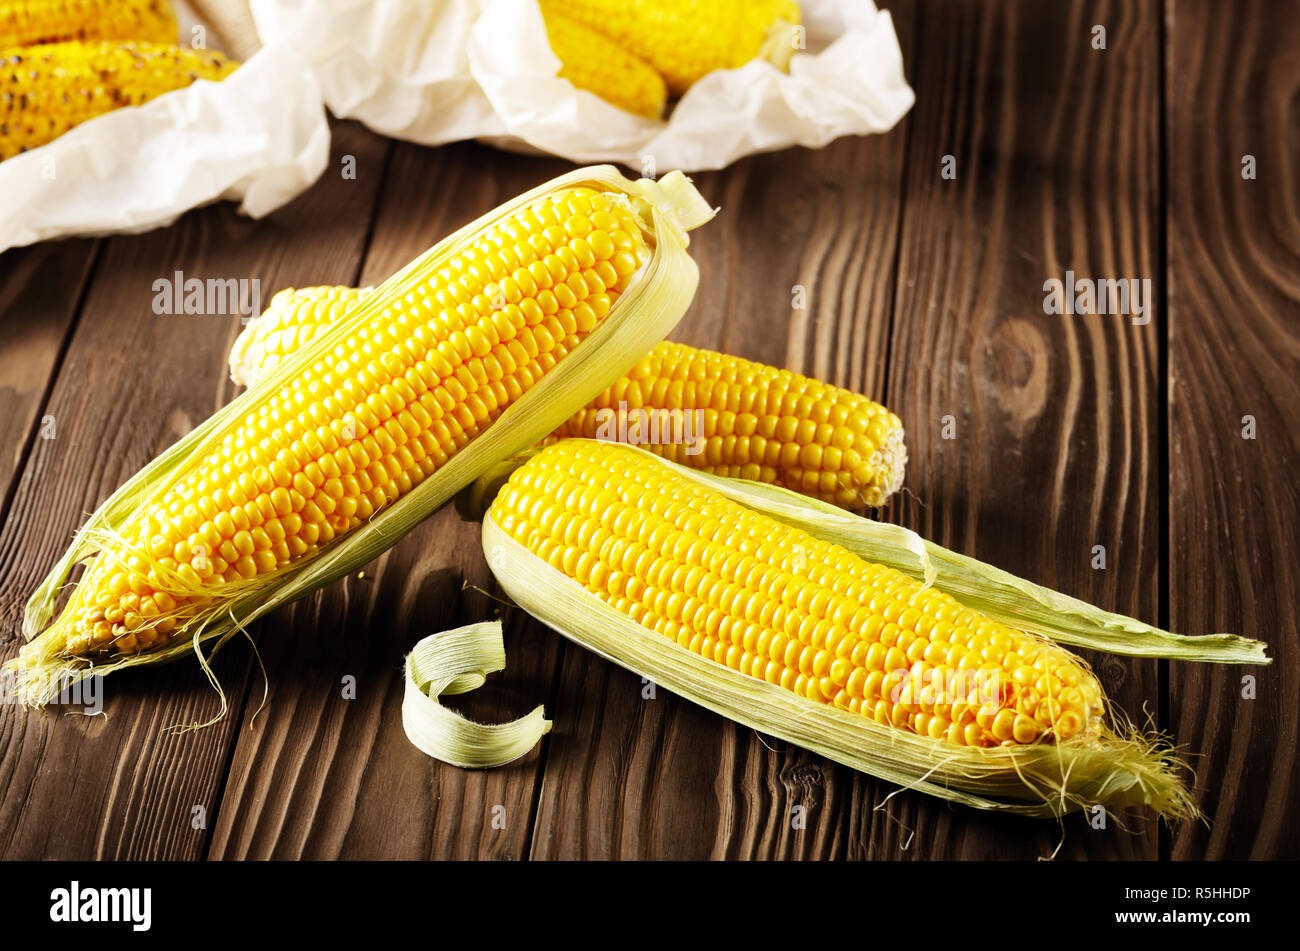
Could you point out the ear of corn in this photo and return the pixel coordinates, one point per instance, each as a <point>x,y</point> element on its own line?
<point>684,39</point>
<point>470,354</point>
<point>723,415</point>
<point>595,63</point>
<point>48,89</point>
<point>292,319</point>
<point>757,423</point>
<point>24,22</point>
<point>778,604</point>
<point>796,636</point>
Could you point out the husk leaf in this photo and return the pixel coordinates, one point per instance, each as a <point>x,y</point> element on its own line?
<point>455,662</point>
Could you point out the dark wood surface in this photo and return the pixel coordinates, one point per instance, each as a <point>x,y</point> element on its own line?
<point>1234,351</point>
<point>923,291</point>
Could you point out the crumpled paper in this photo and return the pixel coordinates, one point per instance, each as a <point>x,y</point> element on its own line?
<point>482,69</point>
<point>259,137</point>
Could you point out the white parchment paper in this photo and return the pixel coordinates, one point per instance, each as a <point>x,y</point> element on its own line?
<point>259,137</point>
<point>435,72</point>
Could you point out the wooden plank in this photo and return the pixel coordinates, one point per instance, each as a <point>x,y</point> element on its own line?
<point>117,786</point>
<point>39,292</point>
<point>1234,352</point>
<point>1054,418</point>
<point>317,776</point>
<point>630,776</point>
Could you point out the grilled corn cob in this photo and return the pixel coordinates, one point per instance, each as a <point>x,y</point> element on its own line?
<point>24,22</point>
<point>735,418</point>
<point>48,89</point>
<point>777,604</point>
<point>686,39</point>
<point>354,425</point>
<point>592,62</point>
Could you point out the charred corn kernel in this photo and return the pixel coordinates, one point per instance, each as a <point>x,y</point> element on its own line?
<point>559,502</point>
<point>24,22</point>
<point>48,89</point>
<point>593,62</point>
<point>699,408</point>
<point>417,355</point>
<point>685,40</point>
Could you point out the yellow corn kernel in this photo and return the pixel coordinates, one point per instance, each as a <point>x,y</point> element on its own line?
<point>701,409</point>
<point>417,356</point>
<point>591,61</point>
<point>587,503</point>
<point>685,39</point>
<point>48,89</point>
<point>25,22</point>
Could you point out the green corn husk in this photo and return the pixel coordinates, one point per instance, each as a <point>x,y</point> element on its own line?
<point>642,316</point>
<point>1121,769</point>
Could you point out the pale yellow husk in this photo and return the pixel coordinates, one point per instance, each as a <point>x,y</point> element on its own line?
<point>642,316</point>
<point>1118,770</point>
<point>455,662</point>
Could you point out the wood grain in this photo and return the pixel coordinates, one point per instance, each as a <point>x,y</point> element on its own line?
<point>39,292</point>
<point>1234,351</point>
<point>1053,418</point>
<point>132,382</point>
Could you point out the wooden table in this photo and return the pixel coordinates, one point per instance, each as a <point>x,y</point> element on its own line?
<point>923,291</point>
